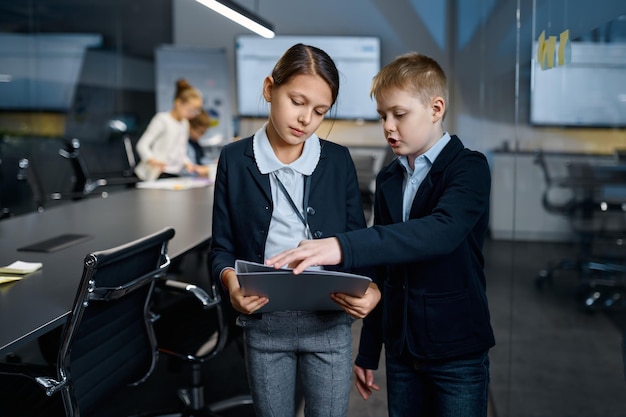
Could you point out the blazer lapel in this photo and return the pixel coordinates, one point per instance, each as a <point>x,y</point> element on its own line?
<point>261,180</point>
<point>448,153</point>
<point>424,190</point>
<point>391,191</point>
<point>315,179</point>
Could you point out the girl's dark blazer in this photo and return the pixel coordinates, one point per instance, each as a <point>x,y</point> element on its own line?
<point>242,206</point>
<point>434,301</point>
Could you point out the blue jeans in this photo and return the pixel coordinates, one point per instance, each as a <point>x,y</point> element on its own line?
<point>454,388</point>
<point>309,349</point>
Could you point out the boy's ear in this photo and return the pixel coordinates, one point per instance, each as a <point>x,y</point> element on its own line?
<point>268,84</point>
<point>439,108</point>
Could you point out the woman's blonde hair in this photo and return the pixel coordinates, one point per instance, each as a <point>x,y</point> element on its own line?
<point>185,91</point>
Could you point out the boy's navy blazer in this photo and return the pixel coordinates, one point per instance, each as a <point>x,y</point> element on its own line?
<point>434,302</point>
<point>242,206</point>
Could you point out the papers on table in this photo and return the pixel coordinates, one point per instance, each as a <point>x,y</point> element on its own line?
<point>307,291</point>
<point>21,268</point>
<point>179,183</point>
<point>17,270</point>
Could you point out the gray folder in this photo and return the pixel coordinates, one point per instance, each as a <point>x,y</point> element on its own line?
<point>307,291</point>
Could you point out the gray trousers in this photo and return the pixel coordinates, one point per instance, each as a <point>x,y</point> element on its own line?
<point>312,350</point>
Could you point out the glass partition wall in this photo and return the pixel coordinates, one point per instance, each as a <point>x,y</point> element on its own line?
<point>73,70</point>
<point>540,87</point>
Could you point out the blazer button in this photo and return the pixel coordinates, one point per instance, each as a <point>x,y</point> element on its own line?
<point>310,211</point>
<point>318,234</point>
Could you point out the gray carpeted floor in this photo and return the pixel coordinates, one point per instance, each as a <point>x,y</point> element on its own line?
<point>554,357</point>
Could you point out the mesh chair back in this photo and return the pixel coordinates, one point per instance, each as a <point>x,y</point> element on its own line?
<point>108,342</point>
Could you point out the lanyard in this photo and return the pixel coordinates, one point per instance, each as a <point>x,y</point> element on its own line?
<point>305,201</point>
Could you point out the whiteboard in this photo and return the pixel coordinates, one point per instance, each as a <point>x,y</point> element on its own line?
<point>206,70</point>
<point>588,91</point>
<point>357,59</point>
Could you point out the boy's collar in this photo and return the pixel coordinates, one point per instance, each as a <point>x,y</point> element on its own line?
<point>431,154</point>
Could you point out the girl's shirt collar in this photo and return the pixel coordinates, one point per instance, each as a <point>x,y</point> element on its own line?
<point>267,161</point>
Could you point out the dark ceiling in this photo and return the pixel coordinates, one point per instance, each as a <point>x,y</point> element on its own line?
<point>132,28</point>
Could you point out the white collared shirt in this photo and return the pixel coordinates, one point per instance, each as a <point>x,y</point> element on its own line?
<point>413,177</point>
<point>286,229</point>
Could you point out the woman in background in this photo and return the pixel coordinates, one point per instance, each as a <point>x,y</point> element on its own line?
<point>163,146</point>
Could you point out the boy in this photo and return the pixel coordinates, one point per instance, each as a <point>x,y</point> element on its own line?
<point>197,128</point>
<point>431,217</point>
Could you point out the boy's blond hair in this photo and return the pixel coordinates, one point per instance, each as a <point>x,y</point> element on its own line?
<point>416,73</point>
<point>201,121</point>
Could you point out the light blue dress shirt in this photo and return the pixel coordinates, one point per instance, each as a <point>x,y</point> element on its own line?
<point>286,229</point>
<point>413,177</point>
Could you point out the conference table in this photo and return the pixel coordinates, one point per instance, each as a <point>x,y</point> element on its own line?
<point>42,300</point>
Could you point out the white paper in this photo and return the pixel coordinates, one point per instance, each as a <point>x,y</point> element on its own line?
<point>21,268</point>
<point>180,183</point>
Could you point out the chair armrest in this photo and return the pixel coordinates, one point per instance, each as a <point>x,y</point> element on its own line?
<point>192,330</point>
<point>40,374</point>
<point>208,301</point>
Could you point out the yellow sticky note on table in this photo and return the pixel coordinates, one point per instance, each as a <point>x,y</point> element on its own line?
<point>10,278</point>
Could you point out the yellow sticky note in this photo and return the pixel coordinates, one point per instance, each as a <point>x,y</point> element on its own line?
<point>9,278</point>
<point>563,45</point>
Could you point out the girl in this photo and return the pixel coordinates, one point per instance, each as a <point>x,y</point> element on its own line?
<point>273,189</point>
<point>163,146</point>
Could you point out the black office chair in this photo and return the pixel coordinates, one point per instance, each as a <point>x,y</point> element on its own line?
<point>367,164</point>
<point>192,330</point>
<point>564,206</point>
<point>42,199</point>
<point>26,172</point>
<point>108,342</point>
<point>599,225</point>
<point>83,183</point>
